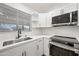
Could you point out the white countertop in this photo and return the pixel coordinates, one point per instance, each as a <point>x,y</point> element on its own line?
<point>34,37</point>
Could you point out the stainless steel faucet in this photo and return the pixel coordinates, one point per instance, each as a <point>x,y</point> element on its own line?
<point>19,34</point>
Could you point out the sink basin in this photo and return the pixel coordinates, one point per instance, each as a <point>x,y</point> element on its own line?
<point>8,42</point>
<point>15,41</point>
<point>28,38</point>
<point>24,39</point>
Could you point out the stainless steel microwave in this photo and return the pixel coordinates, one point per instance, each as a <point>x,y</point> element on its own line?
<point>65,19</point>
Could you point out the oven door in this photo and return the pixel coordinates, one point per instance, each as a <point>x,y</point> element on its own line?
<point>58,51</point>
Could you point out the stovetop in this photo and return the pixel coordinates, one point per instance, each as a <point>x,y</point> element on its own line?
<point>70,41</point>
<point>64,39</point>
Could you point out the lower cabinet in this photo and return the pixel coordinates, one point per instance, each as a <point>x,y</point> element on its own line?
<point>13,51</point>
<point>46,46</point>
<point>30,48</point>
<point>39,47</point>
<point>33,48</point>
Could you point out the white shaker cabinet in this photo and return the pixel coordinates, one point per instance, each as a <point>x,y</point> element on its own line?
<point>46,46</point>
<point>30,48</point>
<point>70,8</point>
<point>42,21</point>
<point>13,51</point>
<point>39,47</point>
<point>54,13</point>
<point>35,20</point>
<point>27,49</point>
<point>33,48</point>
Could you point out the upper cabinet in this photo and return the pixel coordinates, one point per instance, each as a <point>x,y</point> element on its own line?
<point>24,21</point>
<point>66,9</point>
<point>70,8</point>
<point>8,18</point>
<point>35,20</point>
<point>43,20</point>
<point>11,19</point>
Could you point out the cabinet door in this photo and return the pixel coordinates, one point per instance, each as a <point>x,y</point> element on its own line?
<point>44,20</point>
<point>15,51</point>
<point>30,48</point>
<point>70,8</point>
<point>46,46</point>
<point>39,47</point>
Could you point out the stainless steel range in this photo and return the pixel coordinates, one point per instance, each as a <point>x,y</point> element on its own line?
<point>64,46</point>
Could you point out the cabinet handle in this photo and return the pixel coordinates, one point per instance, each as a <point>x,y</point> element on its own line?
<point>24,53</point>
<point>40,40</point>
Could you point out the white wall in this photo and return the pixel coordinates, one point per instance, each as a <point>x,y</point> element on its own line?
<point>71,31</point>
<point>34,31</point>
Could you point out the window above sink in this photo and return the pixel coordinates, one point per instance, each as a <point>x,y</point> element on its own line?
<point>12,19</point>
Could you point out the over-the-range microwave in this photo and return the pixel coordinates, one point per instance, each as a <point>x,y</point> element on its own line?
<point>66,19</point>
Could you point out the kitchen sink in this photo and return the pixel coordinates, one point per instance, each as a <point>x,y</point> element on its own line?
<point>5,43</point>
<point>27,38</point>
<point>8,42</point>
<point>24,39</point>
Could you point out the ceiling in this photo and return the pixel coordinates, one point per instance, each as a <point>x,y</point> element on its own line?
<point>45,7</point>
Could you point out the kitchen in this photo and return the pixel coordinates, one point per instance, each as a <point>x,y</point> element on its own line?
<point>31,29</point>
